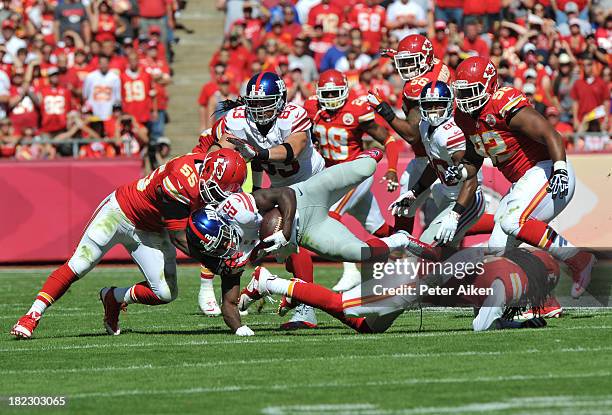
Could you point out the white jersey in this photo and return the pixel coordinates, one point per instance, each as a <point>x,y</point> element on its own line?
<point>102,92</point>
<point>440,144</point>
<point>293,119</point>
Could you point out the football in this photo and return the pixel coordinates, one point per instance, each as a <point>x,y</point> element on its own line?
<point>272,222</point>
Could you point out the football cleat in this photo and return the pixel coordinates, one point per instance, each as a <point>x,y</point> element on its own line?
<point>351,277</point>
<point>581,266</point>
<point>206,299</point>
<point>550,309</point>
<point>25,326</point>
<point>303,318</point>
<point>111,310</point>
<point>255,289</point>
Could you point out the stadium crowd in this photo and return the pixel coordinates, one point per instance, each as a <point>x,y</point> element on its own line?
<point>557,52</point>
<point>87,70</point>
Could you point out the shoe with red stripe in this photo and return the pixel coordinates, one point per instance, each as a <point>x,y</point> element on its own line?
<point>255,289</point>
<point>581,266</point>
<point>551,309</point>
<point>111,310</point>
<point>373,153</point>
<point>25,326</point>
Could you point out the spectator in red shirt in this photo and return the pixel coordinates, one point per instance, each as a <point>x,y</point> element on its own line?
<point>104,22</point>
<point>563,128</point>
<point>576,40</point>
<point>8,139</point>
<point>439,39</point>
<point>158,69</point>
<point>22,111</point>
<point>158,13</point>
<point>371,19</point>
<point>69,78</point>
<point>473,43</point>
<point>253,25</point>
<point>329,16</point>
<point>138,96</point>
<point>290,25</point>
<point>591,106</point>
<point>54,102</point>
<point>207,91</point>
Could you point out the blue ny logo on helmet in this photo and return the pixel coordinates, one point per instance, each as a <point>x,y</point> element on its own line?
<point>265,97</point>
<point>436,103</point>
<point>212,234</point>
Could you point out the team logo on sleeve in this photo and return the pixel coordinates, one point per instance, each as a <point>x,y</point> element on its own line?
<point>348,119</point>
<point>219,168</point>
<point>490,120</point>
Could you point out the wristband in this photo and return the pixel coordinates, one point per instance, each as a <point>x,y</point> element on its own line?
<point>559,165</point>
<point>385,111</point>
<point>263,155</point>
<point>290,156</point>
<point>459,209</point>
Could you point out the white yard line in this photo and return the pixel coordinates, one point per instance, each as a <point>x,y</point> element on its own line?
<point>257,362</point>
<point>339,384</point>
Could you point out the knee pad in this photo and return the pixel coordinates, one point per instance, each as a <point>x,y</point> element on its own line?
<point>510,225</point>
<point>165,293</point>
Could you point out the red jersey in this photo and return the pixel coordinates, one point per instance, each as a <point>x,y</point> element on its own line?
<point>340,132</point>
<point>412,92</point>
<point>106,28</point>
<point>513,154</point>
<point>24,114</point>
<point>155,69</point>
<point>178,180</point>
<point>371,23</point>
<point>136,94</point>
<point>329,16</point>
<point>55,106</point>
<point>97,150</point>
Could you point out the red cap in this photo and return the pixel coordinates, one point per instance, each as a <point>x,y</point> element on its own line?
<point>223,79</point>
<point>154,29</point>
<point>440,25</point>
<point>283,59</point>
<point>552,111</point>
<point>8,24</point>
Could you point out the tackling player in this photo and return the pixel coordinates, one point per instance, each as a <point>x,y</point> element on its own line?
<point>415,62</point>
<point>518,279</point>
<point>460,205</point>
<point>275,136</point>
<point>529,152</point>
<point>148,217</point>
<point>340,119</point>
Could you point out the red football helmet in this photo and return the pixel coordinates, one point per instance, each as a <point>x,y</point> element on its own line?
<point>475,82</point>
<point>414,57</point>
<point>223,173</point>
<point>332,89</point>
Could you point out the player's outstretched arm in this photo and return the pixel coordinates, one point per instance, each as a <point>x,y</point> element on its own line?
<point>532,124</point>
<point>230,291</point>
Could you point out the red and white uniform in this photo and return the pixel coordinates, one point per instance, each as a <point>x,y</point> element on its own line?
<point>137,94</point>
<point>371,23</point>
<point>340,135</point>
<point>329,16</point>
<point>24,114</point>
<point>55,106</point>
<point>179,181</point>
<point>524,162</point>
<point>291,120</point>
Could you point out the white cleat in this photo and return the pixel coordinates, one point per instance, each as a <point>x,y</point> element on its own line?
<point>255,289</point>
<point>581,266</point>
<point>351,277</point>
<point>206,299</point>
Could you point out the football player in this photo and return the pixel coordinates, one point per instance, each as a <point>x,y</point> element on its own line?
<point>517,279</point>
<point>275,136</point>
<point>445,145</point>
<point>340,119</point>
<point>415,62</point>
<point>503,126</point>
<point>148,217</point>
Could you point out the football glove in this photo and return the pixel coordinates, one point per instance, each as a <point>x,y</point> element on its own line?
<point>244,331</point>
<point>380,106</point>
<point>455,174</point>
<point>247,151</point>
<point>401,205</point>
<point>278,241</point>
<point>448,228</point>
<point>558,184</point>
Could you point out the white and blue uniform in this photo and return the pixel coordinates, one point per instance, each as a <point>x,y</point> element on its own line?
<point>440,144</point>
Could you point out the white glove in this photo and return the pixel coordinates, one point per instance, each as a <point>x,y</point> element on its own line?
<point>278,241</point>
<point>448,227</point>
<point>374,99</point>
<point>401,205</point>
<point>247,151</point>
<point>244,331</point>
<point>455,174</point>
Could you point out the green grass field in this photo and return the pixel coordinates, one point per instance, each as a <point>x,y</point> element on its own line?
<point>172,359</point>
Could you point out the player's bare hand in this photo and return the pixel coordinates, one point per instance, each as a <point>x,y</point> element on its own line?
<point>401,205</point>
<point>392,181</point>
<point>247,151</point>
<point>244,331</point>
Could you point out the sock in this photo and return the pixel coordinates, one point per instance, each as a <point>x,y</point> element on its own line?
<point>278,286</point>
<point>300,265</point>
<point>483,226</point>
<point>350,267</point>
<point>54,287</point>
<point>356,323</point>
<point>335,215</point>
<point>143,294</point>
<point>206,274</point>
<point>317,296</point>
<point>404,224</point>
<point>384,230</point>
<point>539,234</point>
<point>379,248</point>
